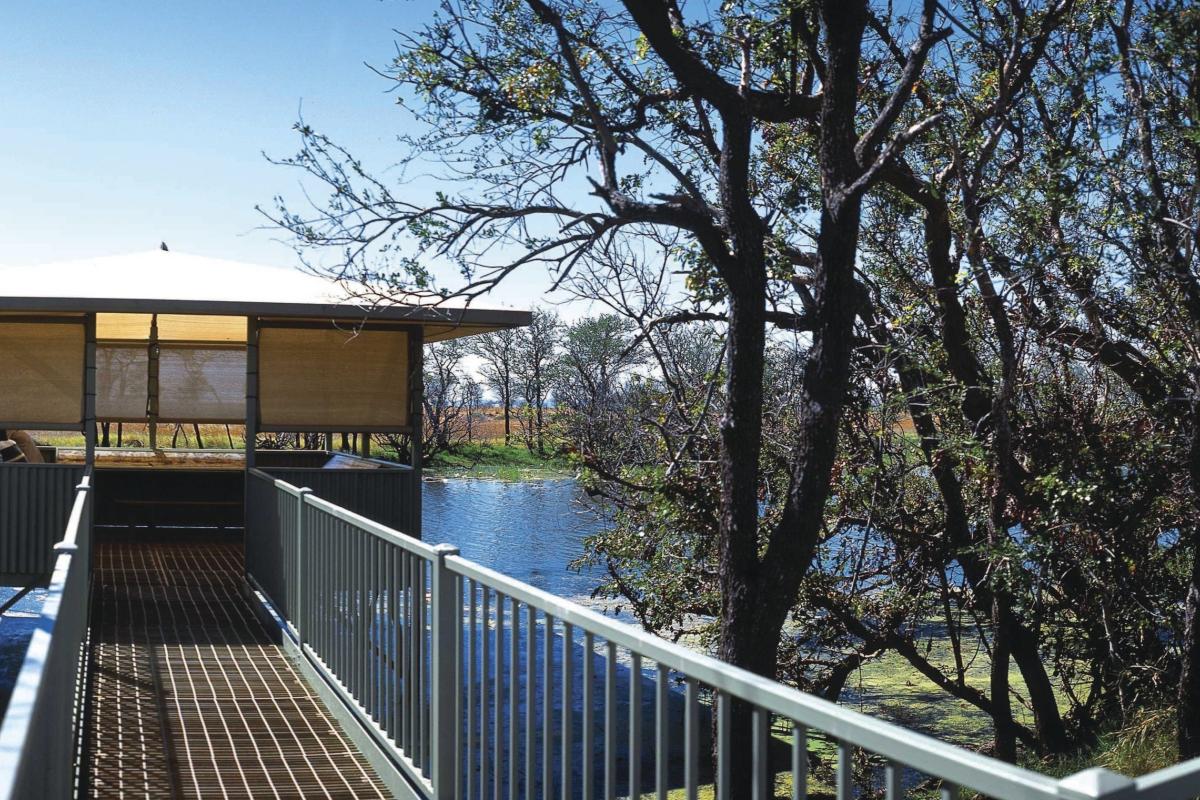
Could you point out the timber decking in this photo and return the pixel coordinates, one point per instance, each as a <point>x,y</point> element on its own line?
<point>190,697</point>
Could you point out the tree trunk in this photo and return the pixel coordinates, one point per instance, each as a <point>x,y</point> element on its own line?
<point>743,639</point>
<point>1002,717</point>
<point>1189,676</point>
<point>961,546</point>
<point>507,418</point>
<point>758,593</point>
<point>964,366</point>
<point>541,401</point>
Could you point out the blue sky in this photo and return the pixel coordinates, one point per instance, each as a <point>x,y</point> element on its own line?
<point>126,123</point>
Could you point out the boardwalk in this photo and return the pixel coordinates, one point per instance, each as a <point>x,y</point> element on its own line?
<point>189,696</point>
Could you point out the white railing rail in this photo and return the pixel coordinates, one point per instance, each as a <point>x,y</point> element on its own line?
<point>41,732</point>
<point>483,686</point>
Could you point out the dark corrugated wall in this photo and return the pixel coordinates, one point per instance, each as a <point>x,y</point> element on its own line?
<point>383,495</point>
<point>35,502</point>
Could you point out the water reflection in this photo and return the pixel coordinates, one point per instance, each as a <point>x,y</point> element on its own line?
<point>16,626</point>
<point>529,531</point>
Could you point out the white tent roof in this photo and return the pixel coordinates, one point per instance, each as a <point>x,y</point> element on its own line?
<point>166,276</point>
<point>168,282</point>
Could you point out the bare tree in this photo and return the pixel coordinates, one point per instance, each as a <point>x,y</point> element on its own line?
<point>498,351</point>
<point>472,397</point>
<point>445,410</point>
<point>598,354</point>
<point>536,351</point>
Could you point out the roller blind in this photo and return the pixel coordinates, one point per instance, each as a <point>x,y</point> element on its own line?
<point>328,379</point>
<point>41,372</point>
<point>201,384</point>
<point>121,382</point>
<point>195,384</point>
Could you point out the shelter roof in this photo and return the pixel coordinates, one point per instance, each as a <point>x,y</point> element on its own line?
<point>170,282</point>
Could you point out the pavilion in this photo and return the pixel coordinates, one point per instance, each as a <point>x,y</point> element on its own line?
<point>165,338</point>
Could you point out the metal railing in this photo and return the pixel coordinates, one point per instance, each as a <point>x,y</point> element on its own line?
<point>481,686</point>
<point>354,595</point>
<point>40,737</point>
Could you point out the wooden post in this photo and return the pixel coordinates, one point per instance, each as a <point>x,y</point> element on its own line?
<point>89,389</point>
<point>416,392</point>
<point>251,389</point>
<point>152,383</point>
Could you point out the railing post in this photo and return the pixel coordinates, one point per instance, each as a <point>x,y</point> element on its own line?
<point>89,528</point>
<point>443,717</point>
<point>297,596</point>
<point>1099,783</point>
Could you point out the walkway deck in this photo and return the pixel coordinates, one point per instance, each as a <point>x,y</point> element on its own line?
<point>190,697</point>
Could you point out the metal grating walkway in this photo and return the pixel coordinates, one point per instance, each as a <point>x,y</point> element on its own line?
<point>190,697</point>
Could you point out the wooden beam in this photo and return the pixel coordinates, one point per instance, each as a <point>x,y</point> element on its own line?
<point>251,388</point>
<point>348,313</point>
<point>416,393</point>
<point>89,389</point>
<point>152,352</point>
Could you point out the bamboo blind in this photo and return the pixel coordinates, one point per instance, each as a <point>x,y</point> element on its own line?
<point>41,372</point>
<point>331,379</point>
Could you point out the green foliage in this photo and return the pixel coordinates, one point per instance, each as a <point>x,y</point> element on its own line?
<point>498,462</point>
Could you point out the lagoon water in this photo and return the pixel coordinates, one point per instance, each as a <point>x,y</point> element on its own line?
<point>16,626</point>
<point>529,530</point>
<point>532,531</point>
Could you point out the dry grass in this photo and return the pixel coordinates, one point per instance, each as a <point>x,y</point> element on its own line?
<point>137,434</point>
<point>488,425</point>
<point>487,428</point>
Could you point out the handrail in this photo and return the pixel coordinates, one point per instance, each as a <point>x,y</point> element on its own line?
<point>75,522</point>
<point>1180,780</point>
<point>400,659</point>
<point>924,753</point>
<point>40,730</point>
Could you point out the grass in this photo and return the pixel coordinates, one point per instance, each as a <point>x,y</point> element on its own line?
<point>1147,743</point>
<point>490,459</point>
<point>888,687</point>
<point>137,435</point>
<point>496,461</point>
